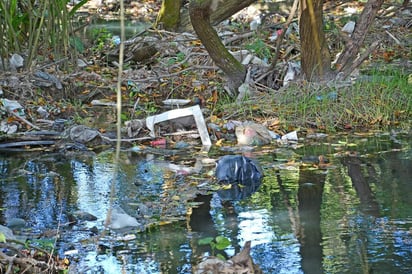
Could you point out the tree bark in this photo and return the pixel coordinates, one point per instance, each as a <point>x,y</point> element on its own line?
<point>224,10</point>
<point>200,11</point>
<point>315,56</point>
<point>169,15</point>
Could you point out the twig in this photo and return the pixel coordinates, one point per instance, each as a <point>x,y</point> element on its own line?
<point>238,37</point>
<point>24,120</point>
<point>358,61</point>
<point>393,37</point>
<point>156,78</point>
<point>54,63</point>
<point>125,140</point>
<point>23,262</point>
<point>346,58</point>
<point>184,132</point>
<point>27,143</point>
<point>279,41</point>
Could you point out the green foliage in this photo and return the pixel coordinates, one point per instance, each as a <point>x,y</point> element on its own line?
<point>77,7</point>
<point>180,57</point>
<point>380,99</point>
<point>221,242</point>
<point>36,27</point>
<point>103,39</point>
<point>124,117</point>
<point>148,108</point>
<point>218,243</point>
<point>77,44</point>
<point>259,47</point>
<point>47,245</point>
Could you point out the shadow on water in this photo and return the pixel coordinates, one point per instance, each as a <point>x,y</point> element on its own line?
<point>352,214</point>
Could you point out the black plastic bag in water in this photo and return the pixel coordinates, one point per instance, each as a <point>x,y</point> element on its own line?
<point>235,170</point>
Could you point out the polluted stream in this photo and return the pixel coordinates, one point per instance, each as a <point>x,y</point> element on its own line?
<point>325,205</point>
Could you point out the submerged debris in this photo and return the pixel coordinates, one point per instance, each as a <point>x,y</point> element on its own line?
<point>119,219</point>
<point>240,263</point>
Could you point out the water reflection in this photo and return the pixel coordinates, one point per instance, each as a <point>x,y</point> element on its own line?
<point>354,218</point>
<point>310,194</point>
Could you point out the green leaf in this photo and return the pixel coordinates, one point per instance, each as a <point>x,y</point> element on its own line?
<point>222,242</point>
<point>76,7</point>
<point>2,238</point>
<point>77,43</point>
<point>205,241</point>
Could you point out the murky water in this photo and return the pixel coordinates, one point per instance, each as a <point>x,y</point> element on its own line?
<point>352,214</point>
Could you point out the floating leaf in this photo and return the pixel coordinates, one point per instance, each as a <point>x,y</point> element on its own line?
<point>2,238</point>
<point>226,187</point>
<point>219,142</point>
<point>222,242</point>
<point>205,241</point>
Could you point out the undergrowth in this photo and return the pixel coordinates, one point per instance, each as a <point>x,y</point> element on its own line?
<point>380,99</point>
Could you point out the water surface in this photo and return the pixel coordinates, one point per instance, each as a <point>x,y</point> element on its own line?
<point>352,214</point>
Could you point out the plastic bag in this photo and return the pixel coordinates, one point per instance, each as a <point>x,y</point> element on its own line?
<point>238,169</point>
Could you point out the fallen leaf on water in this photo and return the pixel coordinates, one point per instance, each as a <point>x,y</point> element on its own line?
<point>226,187</point>
<point>2,238</point>
<point>219,142</point>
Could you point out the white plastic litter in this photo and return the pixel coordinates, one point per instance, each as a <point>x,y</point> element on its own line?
<point>291,136</point>
<point>349,27</point>
<point>182,112</point>
<point>176,102</point>
<point>13,106</point>
<point>292,73</point>
<point>16,61</point>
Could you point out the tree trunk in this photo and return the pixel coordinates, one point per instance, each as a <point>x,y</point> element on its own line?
<point>315,56</point>
<point>224,10</point>
<point>200,11</point>
<point>169,15</point>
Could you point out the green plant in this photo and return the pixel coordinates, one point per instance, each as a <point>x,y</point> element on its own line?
<point>36,27</point>
<point>259,47</point>
<point>217,243</point>
<point>103,39</point>
<point>380,100</point>
<point>180,57</point>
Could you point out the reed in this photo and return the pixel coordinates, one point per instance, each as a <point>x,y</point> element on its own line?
<point>38,30</point>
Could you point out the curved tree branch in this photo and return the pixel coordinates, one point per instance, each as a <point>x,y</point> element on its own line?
<point>200,11</point>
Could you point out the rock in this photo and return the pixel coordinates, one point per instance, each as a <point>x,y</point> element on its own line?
<point>119,219</point>
<point>83,134</point>
<point>8,233</point>
<point>250,133</point>
<point>16,223</point>
<point>81,216</point>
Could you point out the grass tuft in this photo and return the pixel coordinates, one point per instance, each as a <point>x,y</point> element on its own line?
<point>380,99</point>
